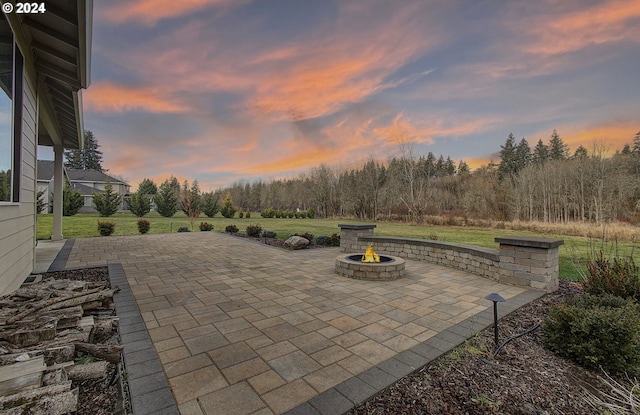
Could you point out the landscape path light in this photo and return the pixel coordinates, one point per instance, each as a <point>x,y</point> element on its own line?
<point>495,298</point>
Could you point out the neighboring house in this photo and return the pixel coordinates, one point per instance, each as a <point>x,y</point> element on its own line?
<point>44,64</point>
<point>87,182</point>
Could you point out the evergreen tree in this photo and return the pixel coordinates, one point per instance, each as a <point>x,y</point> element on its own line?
<point>507,153</point>
<point>147,187</point>
<point>72,200</point>
<point>228,210</point>
<point>463,168</point>
<point>139,203</point>
<point>540,153</point>
<point>191,201</point>
<point>449,167</point>
<point>89,158</point>
<point>581,153</point>
<point>40,205</point>
<point>522,155</point>
<point>626,149</point>
<point>167,199</point>
<point>107,203</point>
<point>5,186</point>
<point>635,148</point>
<point>210,205</point>
<point>558,150</point>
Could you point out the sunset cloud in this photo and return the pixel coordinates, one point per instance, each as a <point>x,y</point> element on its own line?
<point>106,97</point>
<point>223,90</point>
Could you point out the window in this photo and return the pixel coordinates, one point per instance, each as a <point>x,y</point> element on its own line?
<point>10,114</point>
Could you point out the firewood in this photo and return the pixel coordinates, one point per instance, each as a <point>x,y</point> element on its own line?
<point>59,354</point>
<point>32,394</point>
<point>44,328</point>
<point>58,404</point>
<point>64,302</point>
<point>19,375</point>
<point>93,370</point>
<point>57,375</point>
<point>110,353</point>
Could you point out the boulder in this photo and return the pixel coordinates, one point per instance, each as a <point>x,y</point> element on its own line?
<point>296,242</point>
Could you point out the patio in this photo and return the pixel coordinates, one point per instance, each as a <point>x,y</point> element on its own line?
<point>216,324</point>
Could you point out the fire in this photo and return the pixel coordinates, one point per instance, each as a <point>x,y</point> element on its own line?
<point>370,256</point>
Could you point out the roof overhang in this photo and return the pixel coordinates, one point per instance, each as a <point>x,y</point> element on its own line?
<point>59,44</point>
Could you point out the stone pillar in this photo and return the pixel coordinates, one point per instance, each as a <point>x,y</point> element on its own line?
<point>529,262</point>
<point>349,234</point>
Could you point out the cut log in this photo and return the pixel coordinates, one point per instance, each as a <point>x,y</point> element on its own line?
<point>32,308</point>
<point>59,375</point>
<point>17,376</point>
<point>93,370</point>
<point>110,353</point>
<point>59,404</point>
<point>41,330</point>
<point>59,354</point>
<point>31,394</point>
<point>67,317</point>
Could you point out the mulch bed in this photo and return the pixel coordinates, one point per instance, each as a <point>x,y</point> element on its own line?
<point>524,378</point>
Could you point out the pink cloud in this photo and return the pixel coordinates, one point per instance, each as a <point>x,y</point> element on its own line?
<point>107,97</point>
<point>149,12</point>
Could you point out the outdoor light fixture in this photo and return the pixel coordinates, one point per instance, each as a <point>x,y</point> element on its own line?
<point>496,298</point>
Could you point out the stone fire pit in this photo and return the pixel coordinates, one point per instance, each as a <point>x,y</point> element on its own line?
<point>389,267</point>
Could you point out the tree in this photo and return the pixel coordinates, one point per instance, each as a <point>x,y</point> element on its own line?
<point>463,168</point>
<point>507,153</point>
<point>210,204</point>
<point>540,153</point>
<point>40,204</point>
<point>167,199</point>
<point>72,200</point>
<point>139,203</point>
<point>558,150</point>
<point>89,158</point>
<point>147,187</point>
<point>581,153</point>
<point>522,155</point>
<point>5,185</point>
<point>635,149</point>
<point>228,210</point>
<point>191,201</point>
<point>107,203</point>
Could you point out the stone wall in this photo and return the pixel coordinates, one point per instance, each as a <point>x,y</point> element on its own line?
<point>523,261</point>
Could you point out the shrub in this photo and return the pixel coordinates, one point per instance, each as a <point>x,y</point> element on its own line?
<point>321,240</point>
<point>254,230</point>
<point>106,228</point>
<point>333,240</point>
<point>143,226</point>
<point>290,214</point>
<point>228,209</point>
<point>241,214</point>
<point>231,229</point>
<point>205,227</point>
<point>308,236</point>
<point>210,204</point>
<point>247,214</point>
<point>268,213</point>
<point>278,214</point>
<point>107,202</point>
<point>617,276</point>
<point>139,204</point>
<point>311,213</point>
<point>268,234</point>
<point>184,229</point>
<point>596,331</point>
<point>72,200</point>
<point>303,214</point>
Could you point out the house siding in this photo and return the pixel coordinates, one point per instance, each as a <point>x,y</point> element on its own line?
<point>18,230</point>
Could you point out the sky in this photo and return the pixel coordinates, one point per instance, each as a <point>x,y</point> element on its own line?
<point>228,90</point>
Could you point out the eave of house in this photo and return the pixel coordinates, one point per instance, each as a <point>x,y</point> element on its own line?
<point>58,43</point>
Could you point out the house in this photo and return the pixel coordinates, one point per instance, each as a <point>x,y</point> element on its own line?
<point>87,182</point>
<point>45,63</point>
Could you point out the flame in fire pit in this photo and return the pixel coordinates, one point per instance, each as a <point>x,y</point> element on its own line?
<point>370,256</point>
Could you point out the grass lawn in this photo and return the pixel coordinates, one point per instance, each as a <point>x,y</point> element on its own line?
<point>86,225</point>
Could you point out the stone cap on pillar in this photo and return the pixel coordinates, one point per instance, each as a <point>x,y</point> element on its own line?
<point>356,226</point>
<point>529,241</point>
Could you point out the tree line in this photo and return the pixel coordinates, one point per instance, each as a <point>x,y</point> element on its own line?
<point>545,182</point>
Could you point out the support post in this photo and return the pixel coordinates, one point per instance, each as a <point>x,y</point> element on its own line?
<point>58,180</point>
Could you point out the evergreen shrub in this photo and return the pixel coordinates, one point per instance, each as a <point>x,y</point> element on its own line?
<point>596,332</point>
<point>254,230</point>
<point>206,227</point>
<point>143,226</point>
<point>106,228</point>
<point>231,229</point>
